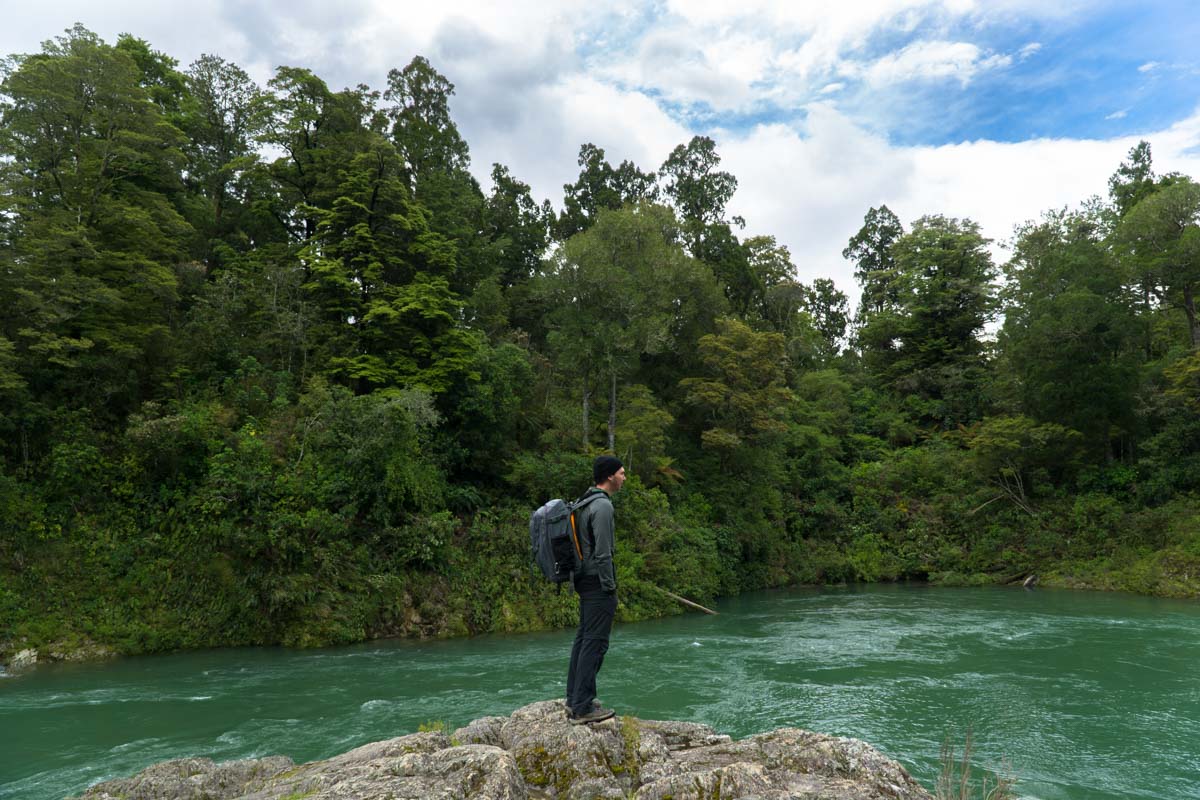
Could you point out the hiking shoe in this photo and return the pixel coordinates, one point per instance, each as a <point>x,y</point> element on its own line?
<point>597,714</point>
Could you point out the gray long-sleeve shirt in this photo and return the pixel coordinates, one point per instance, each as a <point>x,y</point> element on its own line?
<point>597,537</point>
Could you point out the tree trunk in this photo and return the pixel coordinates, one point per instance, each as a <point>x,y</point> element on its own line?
<point>612,413</point>
<point>1189,308</point>
<point>586,413</point>
<point>1146,319</point>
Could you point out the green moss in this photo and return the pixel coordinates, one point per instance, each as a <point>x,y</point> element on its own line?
<point>299,795</point>
<point>541,768</point>
<point>712,794</point>
<point>631,762</point>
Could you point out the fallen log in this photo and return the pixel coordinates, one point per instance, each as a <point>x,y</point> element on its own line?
<point>685,601</point>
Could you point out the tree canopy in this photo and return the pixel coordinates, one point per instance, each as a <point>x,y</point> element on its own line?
<point>275,367</point>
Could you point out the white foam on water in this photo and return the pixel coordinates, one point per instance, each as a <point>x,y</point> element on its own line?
<point>371,705</point>
<point>137,743</point>
<point>231,737</point>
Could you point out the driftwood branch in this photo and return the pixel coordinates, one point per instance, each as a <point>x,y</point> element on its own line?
<point>685,601</point>
<point>974,511</point>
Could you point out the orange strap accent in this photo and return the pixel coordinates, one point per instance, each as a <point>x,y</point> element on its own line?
<point>575,537</point>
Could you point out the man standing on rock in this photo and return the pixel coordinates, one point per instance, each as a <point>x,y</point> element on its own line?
<point>596,584</point>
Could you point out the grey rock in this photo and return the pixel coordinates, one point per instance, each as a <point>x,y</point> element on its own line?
<point>481,731</point>
<point>23,660</point>
<point>535,753</point>
<point>576,762</point>
<point>481,771</point>
<point>193,779</point>
<point>794,763</point>
<point>85,650</point>
<point>741,779</point>
<point>424,742</point>
<point>27,657</point>
<point>682,735</point>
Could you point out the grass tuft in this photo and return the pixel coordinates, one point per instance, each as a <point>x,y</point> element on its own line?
<point>954,782</point>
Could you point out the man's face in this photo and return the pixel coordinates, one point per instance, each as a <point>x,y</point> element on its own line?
<point>617,479</point>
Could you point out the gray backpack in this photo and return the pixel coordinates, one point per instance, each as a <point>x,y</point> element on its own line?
<point>555,540</point>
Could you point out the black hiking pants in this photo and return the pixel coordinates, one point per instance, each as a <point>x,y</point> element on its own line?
<point>596,611</point>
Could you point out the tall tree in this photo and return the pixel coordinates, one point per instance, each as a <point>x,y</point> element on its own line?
<point>436,159</point>
<point>160,78</point>
<point>226,113</point>
<point>1163,234</point>
<point>1134,179</point>
<point>88,164</point>
<point>601,186</point>
<point>700,192</point>
<point>874,264</point>
<point>317,130</point>
<point>789,307</point>
<point>770,261</point>
<point>621,291</point>
<point>380,278</point>
<point>518,227</point>
<point>829,309</point>
<point>424,133</point>
<point>518,231</point>
<point>1070,331</point>
<point>697,189</point>
<point>928,349</point>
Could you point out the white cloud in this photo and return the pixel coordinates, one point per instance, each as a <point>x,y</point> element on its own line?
<point>758,54</point>
<point>960,61</point>
<point>740,58</point>
<point>27,25</point>
<point>1029,50</point>
<point>1149,66</point>
<point>811,189</point>
<point>681,70</point>
<point>1124,112</point>
<point>543,142</point>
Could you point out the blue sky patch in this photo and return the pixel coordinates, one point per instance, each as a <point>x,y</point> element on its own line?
<point>1115,69</point>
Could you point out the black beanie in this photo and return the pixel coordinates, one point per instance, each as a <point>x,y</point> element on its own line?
<point>604,467</point>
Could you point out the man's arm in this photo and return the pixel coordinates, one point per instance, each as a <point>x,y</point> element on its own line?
<point>603,532</point>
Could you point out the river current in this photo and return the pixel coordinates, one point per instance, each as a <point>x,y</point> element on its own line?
<point>1088,696</point>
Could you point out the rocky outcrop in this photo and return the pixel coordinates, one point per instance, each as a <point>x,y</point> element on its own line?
<point>535,753</point>
<point>17,658</point>
<point>22,660</point>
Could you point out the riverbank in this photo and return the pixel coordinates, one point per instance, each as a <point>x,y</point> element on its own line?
<point>1172,573</point>
<point>536,753</point>
<point>431,613</point>
<point>25,659</point>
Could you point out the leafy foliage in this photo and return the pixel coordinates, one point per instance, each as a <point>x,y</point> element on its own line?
<point>275,368</point>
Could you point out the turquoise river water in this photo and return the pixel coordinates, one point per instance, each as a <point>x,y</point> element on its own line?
<point>1089,696</point>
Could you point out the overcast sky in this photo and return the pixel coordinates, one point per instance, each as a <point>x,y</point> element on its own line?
<point>996,111</point>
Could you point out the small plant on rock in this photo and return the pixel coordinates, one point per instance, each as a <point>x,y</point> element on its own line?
<point>954,782</point>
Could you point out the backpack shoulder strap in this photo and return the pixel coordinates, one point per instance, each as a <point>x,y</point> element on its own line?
<point>578,504</point>
<point>586,499</point>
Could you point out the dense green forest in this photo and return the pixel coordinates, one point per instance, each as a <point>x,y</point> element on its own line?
<point>274,368</point>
